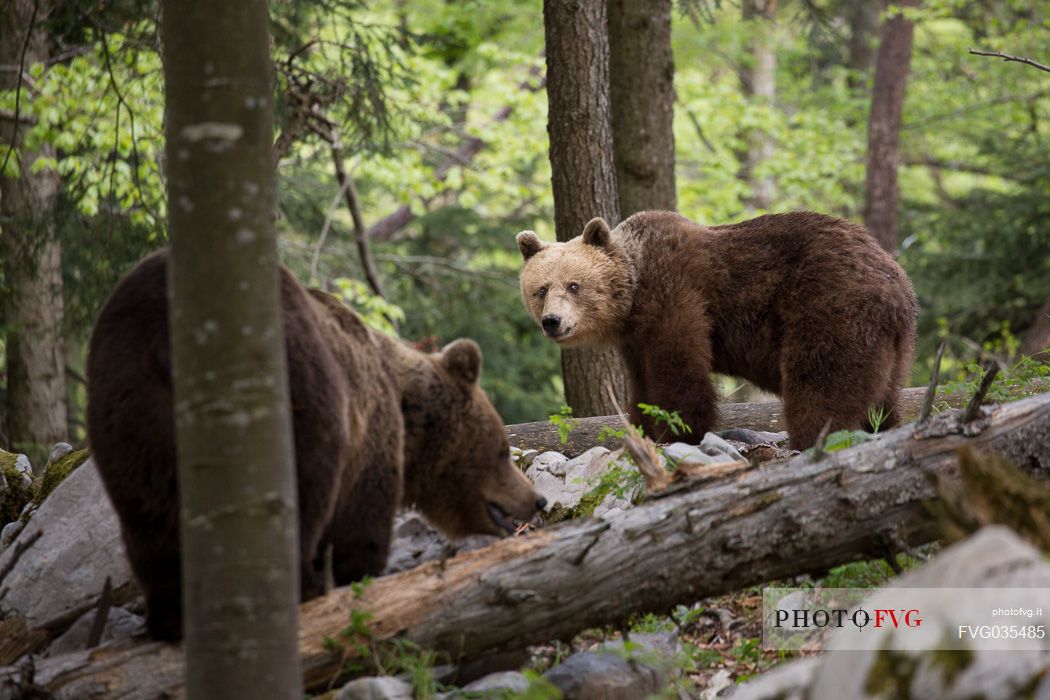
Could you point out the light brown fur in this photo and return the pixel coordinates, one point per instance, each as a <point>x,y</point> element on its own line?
<point>376,424</point>
<point>803,305</point>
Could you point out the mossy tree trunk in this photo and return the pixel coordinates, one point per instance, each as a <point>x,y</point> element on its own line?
<point>583,173</point>
<point>641,75</point>
<point>35,404</point>
<point>236,475</point>
<point>892,65</point>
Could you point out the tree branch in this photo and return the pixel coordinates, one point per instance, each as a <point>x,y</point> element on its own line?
<point>1007,57</point>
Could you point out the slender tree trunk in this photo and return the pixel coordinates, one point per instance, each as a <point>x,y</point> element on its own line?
<point>239,529</point>
<point>32,258</point>
<point>583,173</point>
<point>641,74</point>
<point>760,84</point>
<point>1037,338</point>
<point>884,125</point>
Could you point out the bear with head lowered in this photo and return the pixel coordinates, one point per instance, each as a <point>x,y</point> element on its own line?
<point>376,424</point>
<point>803,305</point>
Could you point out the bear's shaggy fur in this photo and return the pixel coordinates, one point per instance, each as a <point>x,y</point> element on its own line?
<point>803,305</point>
<point>376,424</point>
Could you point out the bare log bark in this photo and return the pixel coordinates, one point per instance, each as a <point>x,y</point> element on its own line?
<point>696,540</point>
<point>756,415</point>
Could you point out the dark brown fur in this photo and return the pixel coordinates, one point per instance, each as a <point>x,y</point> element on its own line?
<point>376,424</point>
<point>803,305</point>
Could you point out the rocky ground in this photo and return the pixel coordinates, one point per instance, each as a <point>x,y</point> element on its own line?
<point>65,585</point>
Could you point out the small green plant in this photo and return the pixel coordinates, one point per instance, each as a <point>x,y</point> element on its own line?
<point>608,432</point>
<point>400,657</point>
<point>840,440</point>
<point>620,480</point>
<point>564,422</point>
<point>671,419</point>
<point>877,415</point>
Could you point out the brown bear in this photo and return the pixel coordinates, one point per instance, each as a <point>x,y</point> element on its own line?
<point>803,305</point>
<point>376,425</point>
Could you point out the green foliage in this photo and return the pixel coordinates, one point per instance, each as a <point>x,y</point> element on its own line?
<point>671,419</point>
<point>372,308</point>
<point>876,417</point>
<point>1016,381</point>
<point>564,422</point>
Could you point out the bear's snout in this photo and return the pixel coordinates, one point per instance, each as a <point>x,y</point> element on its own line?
<point>551,323</point>
<point>541,503</point>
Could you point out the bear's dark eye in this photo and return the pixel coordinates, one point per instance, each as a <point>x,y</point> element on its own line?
<point>574,288</point>
<point>541,292</point>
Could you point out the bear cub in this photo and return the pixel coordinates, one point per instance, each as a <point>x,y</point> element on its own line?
<point>803,305</point>
<point>376,425</point>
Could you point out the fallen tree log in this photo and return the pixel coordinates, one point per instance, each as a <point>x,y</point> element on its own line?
<point>695,540</point>
<point>754,415</point>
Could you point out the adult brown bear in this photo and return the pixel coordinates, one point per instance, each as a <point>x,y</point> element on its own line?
<point>804,305</point>
<point>376,424</point>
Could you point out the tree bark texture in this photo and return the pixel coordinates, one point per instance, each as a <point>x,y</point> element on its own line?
<point>583,172</point>
<point>892,64</point>
<point>641,75</point>
<point>697,539</point>
<point>760,85</point>
<point>757,415</point>
<point>1037,338</point>
<point>239,524</point>
<point>36,405</point>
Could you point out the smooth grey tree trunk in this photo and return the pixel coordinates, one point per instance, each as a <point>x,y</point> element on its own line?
<point>583,173</point>
<point>760,84</point>
<point>239,524</point>
<point>641,77</point>
<point>892,64</point>
<point>36,402</point>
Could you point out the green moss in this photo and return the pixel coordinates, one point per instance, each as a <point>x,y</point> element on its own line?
<point>13,498</point>
<point>891,675</point>
<point>55,472</point>
<point>951,662</point>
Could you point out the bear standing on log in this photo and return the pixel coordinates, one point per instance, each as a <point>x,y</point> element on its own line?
<point>803,305</point>
<point>376,424</point>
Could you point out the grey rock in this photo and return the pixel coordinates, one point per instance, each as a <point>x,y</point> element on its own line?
<point>416,541</point>
<point>76,544</point>
<point>523,458</point>
<point>375,688</point>
<point>714,446</point>
<point>513,681</point>
<point>120,624</point>
<point>550,462</point>
<point>610,505</point>
<point>752,437</point>
<point>605,674</point>
<point>994,557</point>
<point>60,450</point>
<point>786,682</point>
<point>552,488</point>
<point>10,532</point>
<point>23,467</point>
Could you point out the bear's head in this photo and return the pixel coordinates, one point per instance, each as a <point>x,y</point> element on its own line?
<point>458,468</point>
<point>580,291</point>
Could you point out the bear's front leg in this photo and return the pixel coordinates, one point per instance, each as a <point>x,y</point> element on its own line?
<point>673,378</point>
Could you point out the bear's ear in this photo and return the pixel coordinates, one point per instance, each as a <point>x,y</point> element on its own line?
<point>529,244</point>
<point>462,359</point>
<point>597,233</point>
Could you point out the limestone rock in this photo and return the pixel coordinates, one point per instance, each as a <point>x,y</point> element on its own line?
<point>375,688</point>
<point>71,544</point>
<point>120,624</point>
